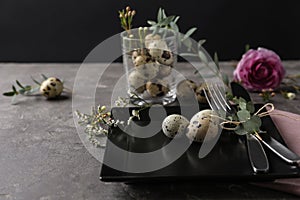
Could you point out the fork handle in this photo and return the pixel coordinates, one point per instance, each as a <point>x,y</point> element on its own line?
<point>257,156</point>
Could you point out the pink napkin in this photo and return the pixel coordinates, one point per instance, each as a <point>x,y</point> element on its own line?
<point>288,125</point>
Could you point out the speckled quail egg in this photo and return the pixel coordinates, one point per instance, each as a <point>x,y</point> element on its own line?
<point>157,87</point>
<point>174,124</point>
<point>164,70</point>
<point>200,93</point>
<point>139,60</point>
<point>166,58</point>
<point>186,88</point>
<point>150,38</point>
<point>137,81</point>
<point>156,48</point>
<point>148,70</point>
<point>202,125</point>
<point>51,88</point>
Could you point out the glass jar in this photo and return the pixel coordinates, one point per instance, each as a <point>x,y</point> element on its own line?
<point>149,58</point>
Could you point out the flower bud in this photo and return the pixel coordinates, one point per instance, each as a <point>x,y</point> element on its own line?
<point>127,8</point>
<point>129,13</point>
<point>291,95</point>
<point>133,13</point>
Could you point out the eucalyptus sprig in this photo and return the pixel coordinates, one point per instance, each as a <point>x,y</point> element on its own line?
<point>245,120</point>
<point>25,90</point>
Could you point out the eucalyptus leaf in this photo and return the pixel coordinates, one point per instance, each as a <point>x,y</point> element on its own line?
<point>243,115</point>
<point>159,15</point>
<point>166,21</point>
<point>240,131</point>
<point>174,27</point>
<point>202,56</point>
<point>253,124</point>
<point>9,94</point>
<point>14,89</point>
<point>188,43</point>
<point>13,100</point>
<point>250,107</point>
<point>201,42</point>
<point>188,55</point>
<point>163,14</point>
<point>189,33</point>
<point>243,105</point>
<point>176,19</point>
<point>19,84</point>
<point>44,77</point>
<point>150,22</point>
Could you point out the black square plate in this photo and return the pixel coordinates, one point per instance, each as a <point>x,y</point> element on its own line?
<point>228,161</point>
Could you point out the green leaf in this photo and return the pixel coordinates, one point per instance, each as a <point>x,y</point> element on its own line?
<point>9,94</point>
<point>176,19</point>
<point>188,43</point>
<point>163,14</point>
<point>19,84</point>
<point>247,47</point>
<point>250,107</point>
<point>174,27</point>
<point>189,33</point>
<point>159,15</point>
<point>14,89</point>
<point>201,42</point>
<point>253,124</point>
<point>166,21</point>
<point>150,22</point>
<point>243,115</point>
<point>243,105</point>
<point>188,54</point>
<point>240,131</point>
<point>44,77</point>
<point>202,56</point>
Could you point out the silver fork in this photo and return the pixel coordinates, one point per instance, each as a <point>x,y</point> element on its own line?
<point>216,99</point>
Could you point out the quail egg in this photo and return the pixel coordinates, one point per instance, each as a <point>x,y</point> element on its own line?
<point>51,88</point>
<point>150,38</point>
<point>166,58</point>
<point>164,70</point>
<point>174,124</point>
<point>202,125</point>
<point>200,93</point>
<point>139,60</point>
<point>137,81</point>
<point>156,48</point>
<point>186,88</point>
<point>157,88</point>
<point>148,70</point>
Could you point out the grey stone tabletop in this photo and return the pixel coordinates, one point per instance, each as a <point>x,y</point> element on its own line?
<point>43,158</point>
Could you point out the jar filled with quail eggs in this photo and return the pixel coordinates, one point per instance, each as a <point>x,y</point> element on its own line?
<point>149,58</point>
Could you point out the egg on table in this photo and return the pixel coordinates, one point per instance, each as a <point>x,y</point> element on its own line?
<point>174,124</point>
<point>51,88</point>
<point>203,125</point>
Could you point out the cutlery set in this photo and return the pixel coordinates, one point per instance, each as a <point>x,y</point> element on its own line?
<point>257,156</point>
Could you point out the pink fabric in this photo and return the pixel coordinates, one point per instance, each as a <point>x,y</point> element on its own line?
<point>289,127</point>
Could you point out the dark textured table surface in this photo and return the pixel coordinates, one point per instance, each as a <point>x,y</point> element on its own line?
<point>43,158</point>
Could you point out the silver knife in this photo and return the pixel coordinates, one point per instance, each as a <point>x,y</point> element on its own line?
<point>276,147</point>
<point>257,156</point>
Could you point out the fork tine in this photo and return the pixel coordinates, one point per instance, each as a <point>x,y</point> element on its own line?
<point>211,101</point>
<point>221,96</point>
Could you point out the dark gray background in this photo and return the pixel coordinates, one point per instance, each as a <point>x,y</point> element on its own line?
<point>66,30</point>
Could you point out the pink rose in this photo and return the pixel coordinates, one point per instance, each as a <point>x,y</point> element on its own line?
<point>259,69</point>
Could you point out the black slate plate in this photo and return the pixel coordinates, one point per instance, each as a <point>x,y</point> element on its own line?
<point>228,161</point>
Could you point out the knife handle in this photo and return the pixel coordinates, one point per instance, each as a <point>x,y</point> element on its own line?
<point>257,156</point>
<point>280,150</point>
